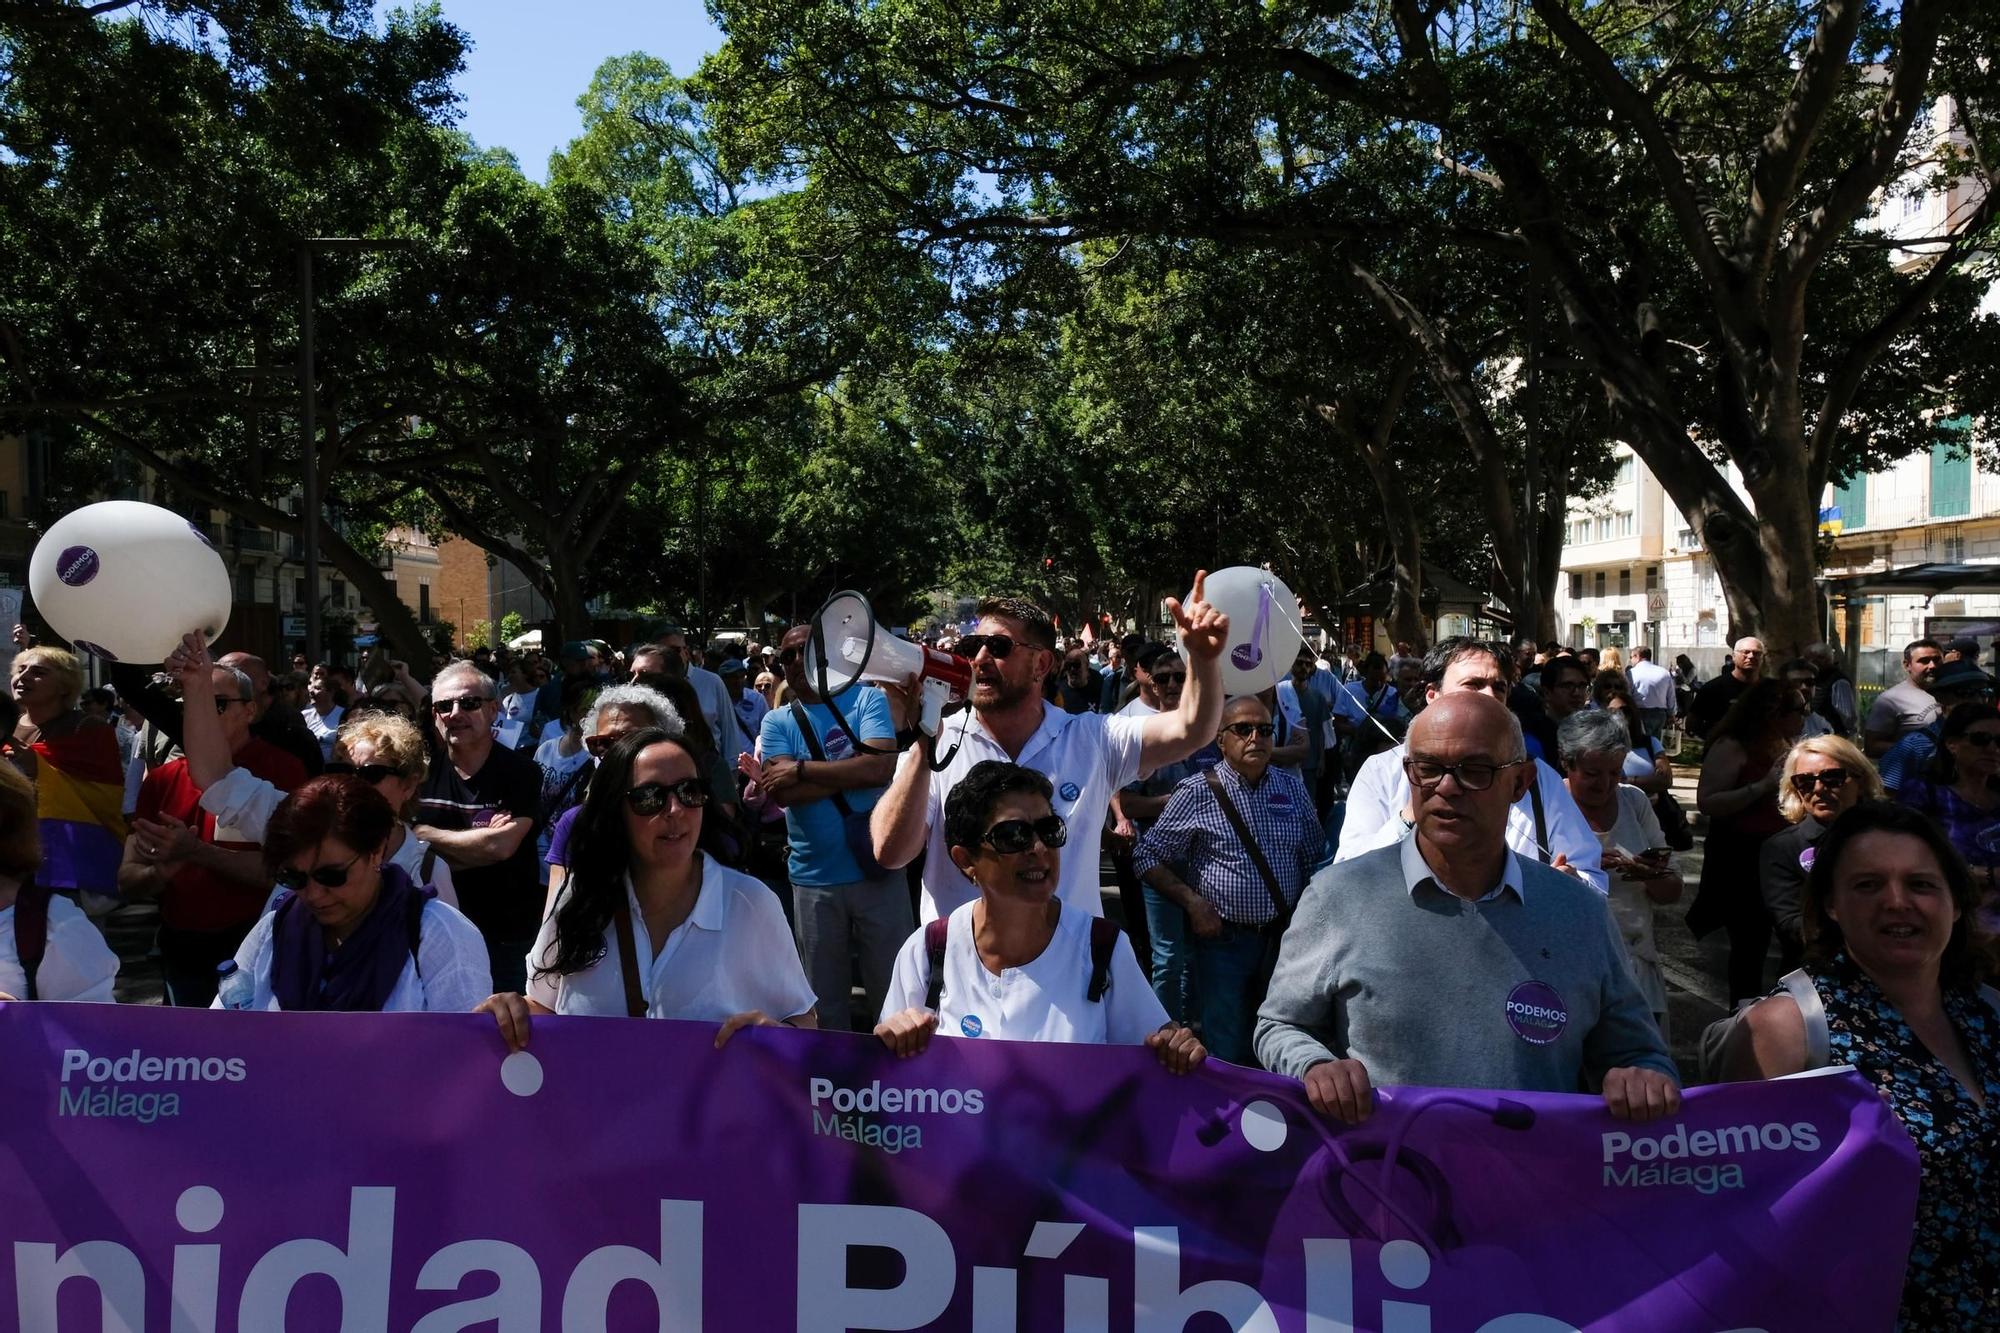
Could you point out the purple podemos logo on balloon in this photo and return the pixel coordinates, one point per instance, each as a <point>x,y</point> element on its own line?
<point>1246,655</point>
<point>77,565</point>
<point>95,650</point>
<point>1536,1013</point>
<point>201,536</point>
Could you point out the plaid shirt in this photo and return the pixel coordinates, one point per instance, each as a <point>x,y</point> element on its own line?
<point>1195,837</point>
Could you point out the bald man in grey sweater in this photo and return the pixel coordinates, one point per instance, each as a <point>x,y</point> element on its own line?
<point>1448,960</point>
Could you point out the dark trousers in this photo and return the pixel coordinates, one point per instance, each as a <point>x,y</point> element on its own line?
<point>188,958</point>
<point>1749,939</point>
<point>1131,903</point>
<point>1230,975</point>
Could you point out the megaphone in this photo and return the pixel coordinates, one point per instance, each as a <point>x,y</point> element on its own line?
<point>848,648</point>
<point>124,580</point>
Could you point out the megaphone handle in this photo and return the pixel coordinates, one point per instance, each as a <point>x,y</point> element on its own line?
<point>936,695</point>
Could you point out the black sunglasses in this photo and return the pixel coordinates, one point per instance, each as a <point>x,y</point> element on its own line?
<point>1245,730</point>
<point>331,877</point>
<point>369,773</point>
<point>1833,779</point>
<point>465,703</point>
<point>1472,775</point>
<point>649,798</point>
<point>1010,837</point>
<point>968,645</point>
<point>1983,739</point>
<point>222,705</point>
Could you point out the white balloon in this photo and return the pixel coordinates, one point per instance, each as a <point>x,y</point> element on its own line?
<point>1264,628</point>
<point>125,580</point>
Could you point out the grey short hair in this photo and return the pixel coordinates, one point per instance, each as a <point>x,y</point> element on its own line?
<point>638,698</point>
<point>246,690</point>
<point>468,670</point>
<point>1591,731</point>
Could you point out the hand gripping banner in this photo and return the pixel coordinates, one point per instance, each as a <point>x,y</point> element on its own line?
<point>208,1172</point>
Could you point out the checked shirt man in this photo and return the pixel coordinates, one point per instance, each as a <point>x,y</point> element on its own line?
<point>1195,855</point>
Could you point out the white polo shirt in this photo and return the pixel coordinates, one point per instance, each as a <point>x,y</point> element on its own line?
<point>1047,999</point>
<point>1086,758</point>
<point>1376,801</point>
<point>76,963</point>
<point>454,975</point>
<point>733,954</point>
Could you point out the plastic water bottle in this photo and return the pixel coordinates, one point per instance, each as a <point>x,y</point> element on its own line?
<point>233,984</point>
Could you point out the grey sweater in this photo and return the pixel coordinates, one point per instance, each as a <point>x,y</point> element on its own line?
<point>1424,988</point>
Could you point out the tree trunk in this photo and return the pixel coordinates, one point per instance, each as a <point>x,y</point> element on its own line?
<point>1405,618</point>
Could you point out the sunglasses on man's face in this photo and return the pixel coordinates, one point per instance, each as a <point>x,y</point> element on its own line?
<point>332,877</point>
<point>369,773</point>
<point>1982,739</point>
<point>465,703</point>
<point>969,645</point>
<point>649,798</point>
<point>222,705</point>
<point>1245,730</point>
<point>1011,837</point>
<point>1163,679</point>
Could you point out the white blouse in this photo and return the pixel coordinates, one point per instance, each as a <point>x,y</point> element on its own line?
<point>449,975</point>
<point>76,963</point>
<point>734,953</point>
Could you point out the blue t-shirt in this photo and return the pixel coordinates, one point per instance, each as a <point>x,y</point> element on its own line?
<point>819,845</point>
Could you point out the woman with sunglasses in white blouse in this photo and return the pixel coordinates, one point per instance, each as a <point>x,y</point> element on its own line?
<point>649,926</point>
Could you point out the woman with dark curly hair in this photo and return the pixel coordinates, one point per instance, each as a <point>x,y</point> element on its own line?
<point>648,925</point>
<point>1891,988</point>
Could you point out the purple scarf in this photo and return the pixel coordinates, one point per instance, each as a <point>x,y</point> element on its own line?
<point>359,975</point>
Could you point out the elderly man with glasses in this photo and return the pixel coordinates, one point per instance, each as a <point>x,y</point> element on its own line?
<point>1233,848</point>
<point>1451,960</point>
<point>209,877</point>
<point>478,809</point>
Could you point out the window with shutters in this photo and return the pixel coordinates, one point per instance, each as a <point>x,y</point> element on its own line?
<point>1576,587</point>
<point>1652,577</point>
<point>1624,583</point>
<point>1599,589</point>
<point>1951,478</point>
<point>1852,502</point>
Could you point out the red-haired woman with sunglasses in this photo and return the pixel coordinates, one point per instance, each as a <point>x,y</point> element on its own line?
<point>354,933</point>
<point>647,924</point>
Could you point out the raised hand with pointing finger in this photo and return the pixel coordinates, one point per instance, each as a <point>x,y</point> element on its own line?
<point>1204,633</point>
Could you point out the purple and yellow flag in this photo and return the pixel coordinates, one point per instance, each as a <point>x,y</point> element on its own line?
<point>80,789</point>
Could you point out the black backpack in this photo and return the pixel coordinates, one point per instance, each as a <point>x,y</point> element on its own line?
<point>1104,935</point>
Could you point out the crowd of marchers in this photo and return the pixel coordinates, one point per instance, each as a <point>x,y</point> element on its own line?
<point>1439,868</point>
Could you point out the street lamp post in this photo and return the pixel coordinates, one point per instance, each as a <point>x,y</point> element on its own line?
<point>309,246</point>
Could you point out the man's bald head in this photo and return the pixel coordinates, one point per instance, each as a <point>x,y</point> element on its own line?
<point>1472,718</point>
<point>1245,708</point>
<point>252,666</point>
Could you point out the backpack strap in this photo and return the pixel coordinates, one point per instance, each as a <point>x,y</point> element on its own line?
<point>414,920</point>
<point>31,931</point>
<point>1541,820</point>
<point>935,933</point>
<point>1800,986</point>
<point>426,866</point>
<point>1104,935</point>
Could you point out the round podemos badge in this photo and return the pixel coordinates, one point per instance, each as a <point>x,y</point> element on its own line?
<point>1536,1013</point>
<point>970,1025</point>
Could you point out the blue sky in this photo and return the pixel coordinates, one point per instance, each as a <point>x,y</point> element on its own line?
<point>531,59</point>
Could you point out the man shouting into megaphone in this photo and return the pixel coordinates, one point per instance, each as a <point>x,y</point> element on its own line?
<point>1085,756</point>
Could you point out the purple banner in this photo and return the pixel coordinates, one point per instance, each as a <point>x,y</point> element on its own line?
<point>199,1172</point>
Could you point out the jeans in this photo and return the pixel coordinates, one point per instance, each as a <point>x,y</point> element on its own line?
<point>188,958</point>
<point>1168,926</point>
<point>508,960</point>
<point>869,917</point>
<point>1655,720</point>
<point>1230,973</point>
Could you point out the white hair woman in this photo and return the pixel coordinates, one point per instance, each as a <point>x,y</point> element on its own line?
<point>1642,868</point>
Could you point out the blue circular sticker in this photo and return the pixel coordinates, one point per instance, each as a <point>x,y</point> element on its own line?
<point>1536,1013</point>
<point>970,1025</point>
<point>77,565</point>
<point>1069,791</point>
